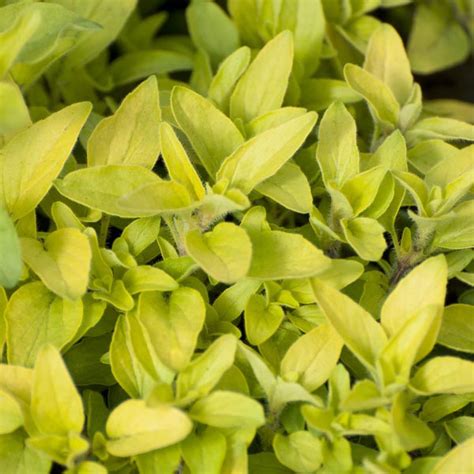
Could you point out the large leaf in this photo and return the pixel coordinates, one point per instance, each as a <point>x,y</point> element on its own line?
<point>34,158</point>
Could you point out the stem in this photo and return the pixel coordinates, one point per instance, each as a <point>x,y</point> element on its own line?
<point>104,230</point>
<point>375,137</point>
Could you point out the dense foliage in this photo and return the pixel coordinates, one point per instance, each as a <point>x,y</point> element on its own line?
<point>234,238</point>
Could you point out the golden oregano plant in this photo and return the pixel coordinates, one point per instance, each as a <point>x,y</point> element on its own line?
<point>235,238</point>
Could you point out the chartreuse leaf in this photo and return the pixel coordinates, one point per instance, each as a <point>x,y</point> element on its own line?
<point>311,359</point>
<point>288,187</point>
<point>135,428</point>
<point>16,456</point>
<point>444,375</point>
<point>460,429</point>
<point>365,235</point>
<point>62,262</point>
<point>11,416</point>
<point>111,15</point>
<point>159,461</point>
<point>173,324</point>
<point>126,367</point>
<point>204,17</point>
<point>204,372</point>
<point>16,115</point>
<point>387,60</point>
<point>223,409</point>
<point>212,134</point>
<point>440,127</point>
<point>35,317</point>
<point>123,190</point>
<point>440,406</point>
<point>10,252</point>
<point>56,406</point>
<point>423,286</point>
<point>226,77</point>
<point>31,160</point>
<point>204,452</point>
<point>262,87</point>
<point>130,136</point>
<point>300,451</point>
<point>148,278</point>
<point>178,164</point>
<point>319,94</point>
<point>383,103</point>
<point>337,152</point>
<point>458,458</point>
<point>224,253</point>
<point>398,356</point>
<point>358,329</point>
<point>437,40</point>
<point>263,155</point>
<point>261,319</point>
<point>455,331</point>
<point>279,255</point>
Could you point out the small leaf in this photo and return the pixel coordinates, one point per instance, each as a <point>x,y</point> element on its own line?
<point>262,87</point>
<point>461,455</point>
<point>365,235</point>
<point>311,359</point>
<point>337,152</point>
<point>261,320</point>
<point>228,410</point>
<point>444,375</point>
<point>135,428</point>
<point>10,253</point>
<point>224,253</point>
<point>56,406</point>
<point>300,451</point>
<point>212,134</point>
<point>358,329</point>
<point>455,331</point>
<point>130,136</point>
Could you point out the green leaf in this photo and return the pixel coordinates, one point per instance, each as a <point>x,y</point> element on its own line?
<point>173,324</point>
<point>137,65</point>
<point>212,30</point>
<point>130,136</point>
<point>228,410</point>
<point>224,253</point>
<point>444,375</point>
<point>35,317</point>
<point>111,15</point>
<point>204,452</point>
<point>337,152</point>
<point>383,103</point>
<point>460,429</point>
<point>262,87</point>
<point>438,407</point>
<point>10,254</point>
<point>31,160</point>
<point>62,262</point>
<point>159,461</point>
<point>11,416</point>
<point>135,428</point>
<point>387,60</point>
<point>263,155</point>
<point>211,133</point>
<point>229,72</point>
<point>261,319</point>
<point>311,359</point>
<point>178,164</point>
<point>56,406</point>
<point>424,286</point>
<point>126,367</point>
<point>15,116</point>
<point>288,187</point>
<point>281,255</point>
<point>455,331</point>
<point>365,235</point>
<point>358,329</point>
<point>319,94</point>
<point>300,451</point>
<point>16,456</point>
<point>205,371</point>
<point>148,278</point>
<point>460,456</point>
<point>440,127</point>
<point>123,190</point>
<point>437,40</point>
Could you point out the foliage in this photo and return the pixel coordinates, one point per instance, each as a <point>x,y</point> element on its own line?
<point>234,238</point>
